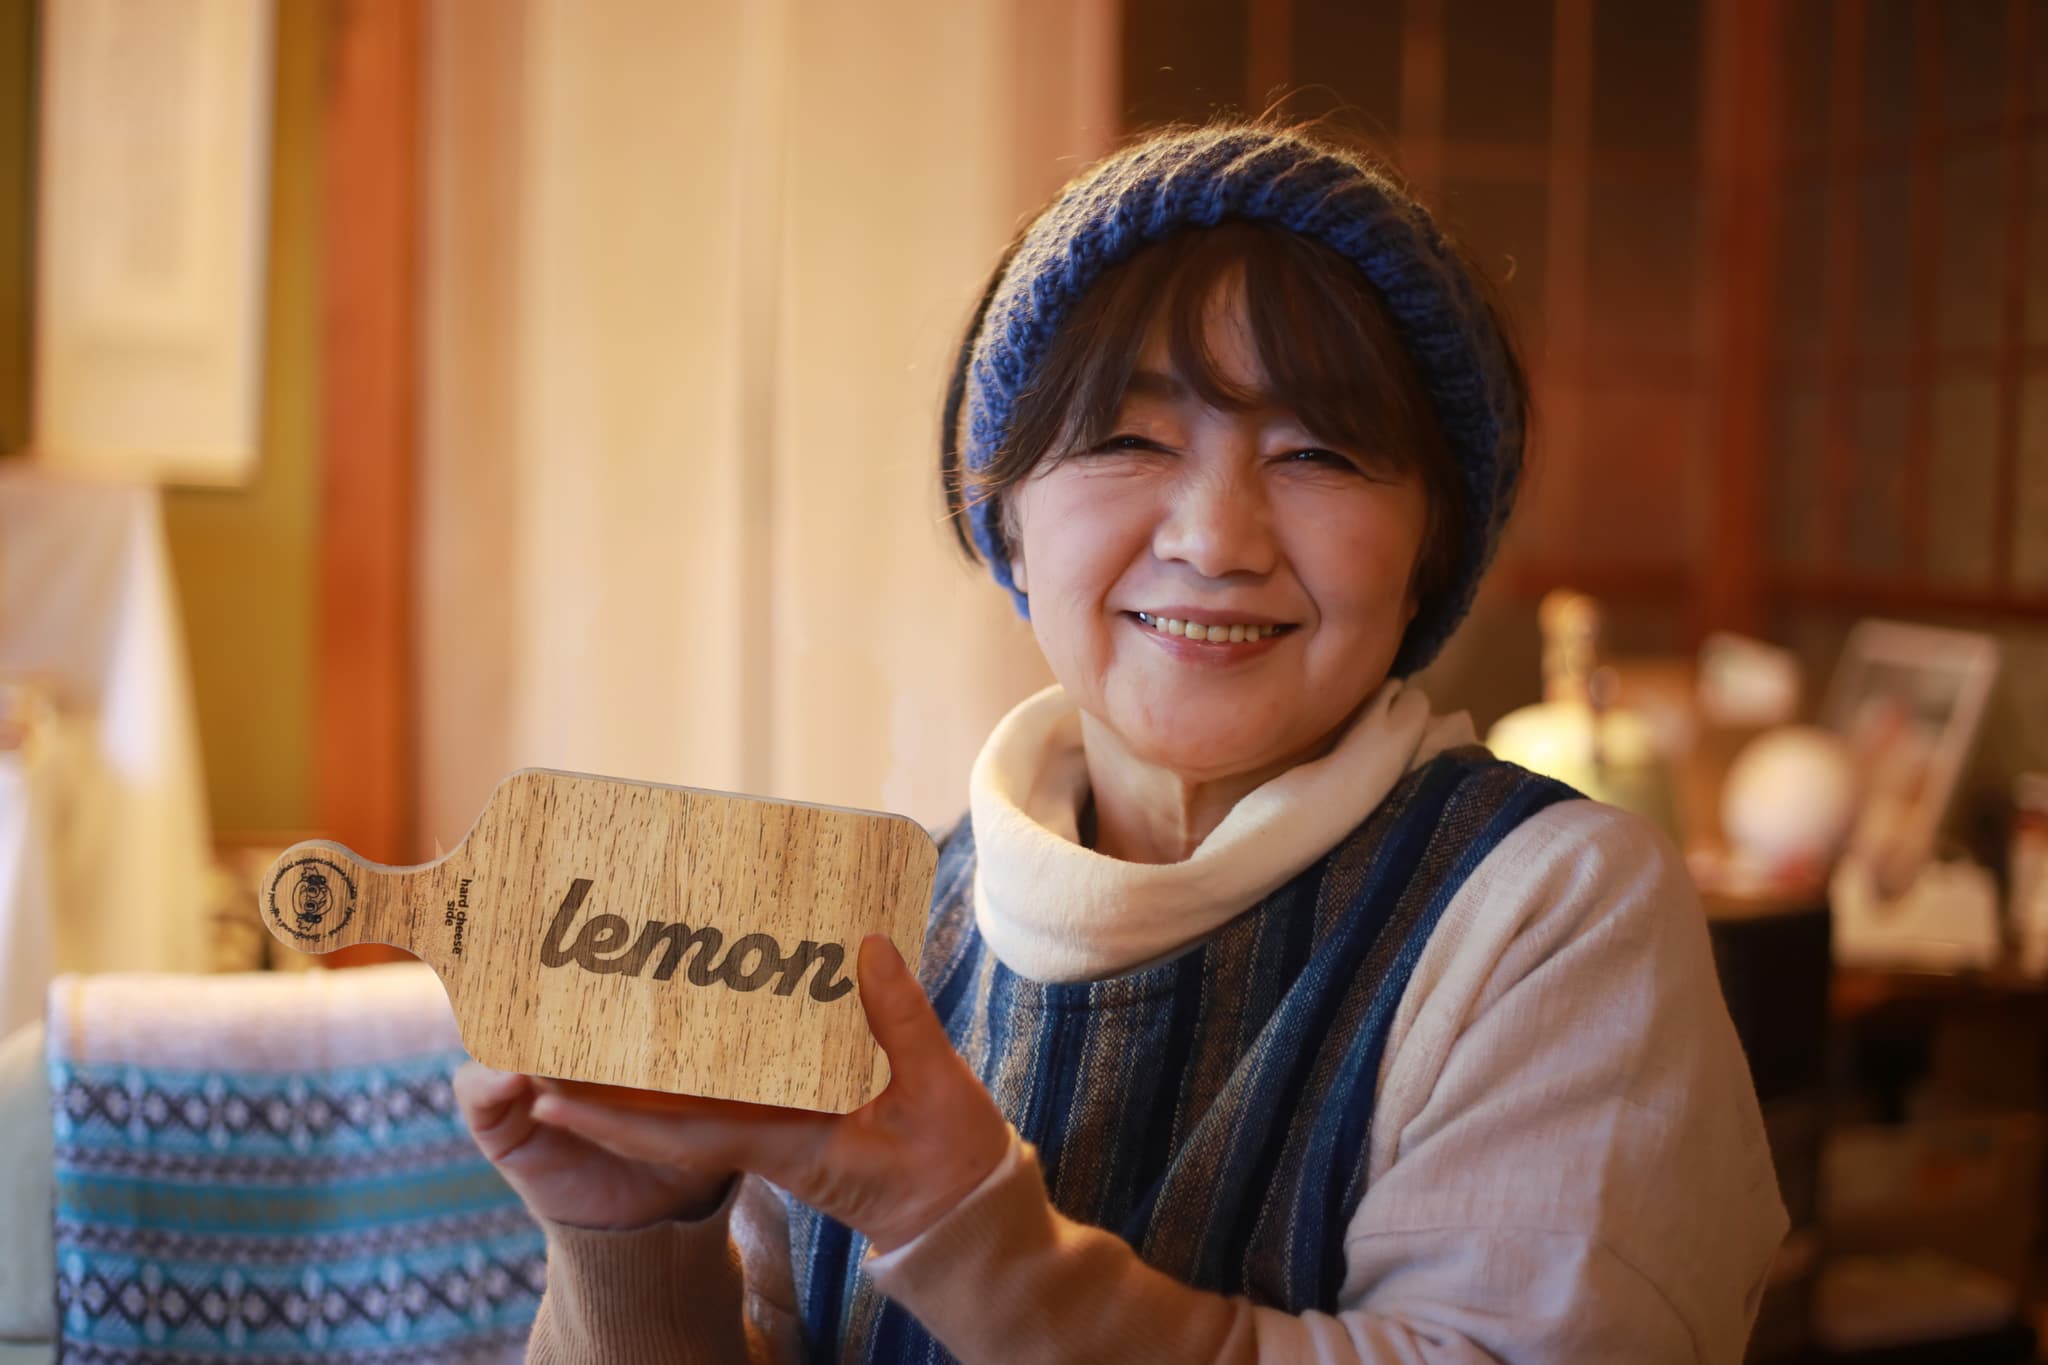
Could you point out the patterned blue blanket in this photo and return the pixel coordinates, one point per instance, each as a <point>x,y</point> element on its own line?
<point>338,1213</point>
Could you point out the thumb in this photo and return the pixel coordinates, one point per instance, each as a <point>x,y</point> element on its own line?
<point>899,1014</point>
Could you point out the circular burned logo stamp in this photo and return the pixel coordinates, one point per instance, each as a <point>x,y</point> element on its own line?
<point>312,899</point>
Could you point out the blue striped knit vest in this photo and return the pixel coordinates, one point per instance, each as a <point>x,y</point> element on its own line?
<point>1212,1109</point>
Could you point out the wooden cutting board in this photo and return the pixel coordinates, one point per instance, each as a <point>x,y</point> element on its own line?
<point>632,934</point>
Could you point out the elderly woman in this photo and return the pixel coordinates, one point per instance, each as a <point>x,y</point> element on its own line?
<point>1263,1015</point>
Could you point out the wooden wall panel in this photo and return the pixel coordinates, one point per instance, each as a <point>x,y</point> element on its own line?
<point>17,215</point>
<point>1743,99</point>
<point>364,751</point>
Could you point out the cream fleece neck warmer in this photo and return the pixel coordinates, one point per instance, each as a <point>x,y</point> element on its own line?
<point>1055,911</point>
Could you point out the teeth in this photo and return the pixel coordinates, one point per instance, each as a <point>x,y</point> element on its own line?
<point>1194,630</point>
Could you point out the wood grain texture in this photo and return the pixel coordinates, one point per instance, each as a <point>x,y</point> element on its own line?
<point>658,937</point>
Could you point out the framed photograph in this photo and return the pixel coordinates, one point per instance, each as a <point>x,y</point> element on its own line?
<point>1908,699</point>
<point>152,237</point>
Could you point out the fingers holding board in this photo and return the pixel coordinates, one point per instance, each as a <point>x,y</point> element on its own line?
<point>641,935</point>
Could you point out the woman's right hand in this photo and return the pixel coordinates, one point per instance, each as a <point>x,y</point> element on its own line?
<point>566,1179</point>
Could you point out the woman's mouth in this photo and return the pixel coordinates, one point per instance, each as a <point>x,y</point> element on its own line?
<point>1215,632</point>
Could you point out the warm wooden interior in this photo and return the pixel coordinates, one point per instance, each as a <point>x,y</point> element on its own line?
<point>364,709</point>
<point>1772,262</point>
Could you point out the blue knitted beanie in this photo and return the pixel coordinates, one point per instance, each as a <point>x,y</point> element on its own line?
<point>1198,178</point>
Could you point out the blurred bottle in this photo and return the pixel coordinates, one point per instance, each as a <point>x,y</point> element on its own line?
<point>1578,733</point>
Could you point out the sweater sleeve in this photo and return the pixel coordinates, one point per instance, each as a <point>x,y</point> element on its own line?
<point>713,1290</point>
<point>1568,1162</point>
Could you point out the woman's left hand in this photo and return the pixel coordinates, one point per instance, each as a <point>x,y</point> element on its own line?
<point>889,1169</point>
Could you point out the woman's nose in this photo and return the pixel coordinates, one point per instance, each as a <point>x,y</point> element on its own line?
<point>1219,524</point>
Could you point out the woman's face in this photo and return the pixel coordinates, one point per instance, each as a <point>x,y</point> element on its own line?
<point>1243,524</point>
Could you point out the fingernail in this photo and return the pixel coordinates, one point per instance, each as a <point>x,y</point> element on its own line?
<point>884,961</point>
<point>490,1081</point>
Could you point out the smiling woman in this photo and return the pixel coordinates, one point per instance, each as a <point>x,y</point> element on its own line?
<point>1312,340</point>
<point>1262,1015</point>
<point>1218,505</point>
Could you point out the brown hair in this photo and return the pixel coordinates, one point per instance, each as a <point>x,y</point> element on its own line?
<point>1326,345</point>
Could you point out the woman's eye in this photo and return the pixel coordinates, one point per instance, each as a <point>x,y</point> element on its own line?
<point>1321,455</point>
<point>1123,441</point>
<point>1371,469</point>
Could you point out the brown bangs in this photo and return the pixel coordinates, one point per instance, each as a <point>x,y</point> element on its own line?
<point>1326,348</point>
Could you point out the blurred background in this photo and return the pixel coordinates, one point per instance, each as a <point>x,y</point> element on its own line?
<point>397,394</point>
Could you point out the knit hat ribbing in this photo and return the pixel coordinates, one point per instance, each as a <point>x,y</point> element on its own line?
<point>1199,178</point>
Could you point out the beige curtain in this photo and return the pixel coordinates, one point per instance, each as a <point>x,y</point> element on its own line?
<point>693,279</point>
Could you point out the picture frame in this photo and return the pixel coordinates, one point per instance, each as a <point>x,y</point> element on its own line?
<point>152,229</point>
<point>1908,700</point>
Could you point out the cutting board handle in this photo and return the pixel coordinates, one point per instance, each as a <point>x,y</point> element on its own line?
<point>319,896</point>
